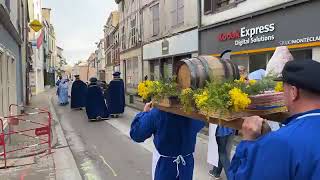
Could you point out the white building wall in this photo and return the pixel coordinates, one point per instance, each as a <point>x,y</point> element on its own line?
<point>243,8</point>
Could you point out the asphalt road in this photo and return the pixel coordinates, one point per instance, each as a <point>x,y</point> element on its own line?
<point>101,151</point>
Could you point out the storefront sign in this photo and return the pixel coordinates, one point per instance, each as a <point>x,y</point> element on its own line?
<point>292,25</point>
<point>300,40</point>
<point>246,35</point>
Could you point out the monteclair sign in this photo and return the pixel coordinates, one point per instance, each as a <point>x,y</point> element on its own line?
<point>246,35</point>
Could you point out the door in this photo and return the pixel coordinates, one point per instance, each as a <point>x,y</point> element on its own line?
<point>4,76</point>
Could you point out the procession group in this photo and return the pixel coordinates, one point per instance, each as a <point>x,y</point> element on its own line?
<point>100,99</point>
<point>291,152</point>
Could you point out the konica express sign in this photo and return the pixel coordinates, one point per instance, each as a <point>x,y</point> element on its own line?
<point>293,25</point>
<point>245,35</point>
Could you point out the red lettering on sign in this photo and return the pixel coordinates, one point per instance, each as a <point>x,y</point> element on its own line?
<point>42,131</point>
<point>229,36</point>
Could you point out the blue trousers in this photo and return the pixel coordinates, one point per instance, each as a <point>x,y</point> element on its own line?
<point>224,160</point>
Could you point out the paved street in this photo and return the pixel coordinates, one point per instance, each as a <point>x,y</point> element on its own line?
<point>101,151</point>
<point>104,149</point>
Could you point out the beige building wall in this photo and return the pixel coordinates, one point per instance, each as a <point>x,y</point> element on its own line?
<point>190,18</point>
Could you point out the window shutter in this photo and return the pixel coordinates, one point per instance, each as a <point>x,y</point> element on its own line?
<point>174,12</point>
<point>180,13</point>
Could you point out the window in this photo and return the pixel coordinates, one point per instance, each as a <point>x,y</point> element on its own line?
<point>219,5</point>
<point>7,2</point>
<point>123,39</point>
<point>133,34</point>
<point>207,6</point>
<point>177,12</point>
<point>156,19</point>
<point>109,58</point>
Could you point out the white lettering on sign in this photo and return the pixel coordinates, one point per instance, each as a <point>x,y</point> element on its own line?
<point>300,40</point>
<point>255,35</point>
<point>257,30</point>
<point>253,40</point>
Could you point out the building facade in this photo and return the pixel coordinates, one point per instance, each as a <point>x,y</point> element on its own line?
<point>253,29</point>
<point>13,53</point>
<point>92,66</point>
<point>101,60</point>
<point>130,31</point>
<point>112,48</point>
<point>49,48</point>
<point>36,74</point>
<point>170,34</point>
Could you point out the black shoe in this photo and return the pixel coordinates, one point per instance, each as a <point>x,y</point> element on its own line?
<point>99,118</point>
<point>212,174</point>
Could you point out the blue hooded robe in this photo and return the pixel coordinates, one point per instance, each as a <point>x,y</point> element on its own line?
<point>115,97</point>
<point>63,92</point>
<point>78,94</point>
<point>290,153</point>
<point>174,139</point>
<point>95,104</point>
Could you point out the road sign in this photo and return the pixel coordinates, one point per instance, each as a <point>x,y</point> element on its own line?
<point>36,25</point>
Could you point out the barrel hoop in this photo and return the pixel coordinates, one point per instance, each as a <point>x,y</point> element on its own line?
<point>235,71</point>
<point>195,67</point>
<point>206,67</point>
<point>192,72</point>
<point>226,69</point>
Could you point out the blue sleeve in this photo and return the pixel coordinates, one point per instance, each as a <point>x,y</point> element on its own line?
<point>266,158</point>
<point>143,126</point>
<point>198,125</point>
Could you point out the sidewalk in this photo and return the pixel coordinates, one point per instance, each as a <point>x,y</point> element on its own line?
<point>41,166</point>
<point>201,167</point>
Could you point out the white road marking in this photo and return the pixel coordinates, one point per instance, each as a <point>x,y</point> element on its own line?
<point>104,161</point>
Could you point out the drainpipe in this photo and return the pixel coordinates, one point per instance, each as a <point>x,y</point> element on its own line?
<point>141,36</point>
<point>199,25</point>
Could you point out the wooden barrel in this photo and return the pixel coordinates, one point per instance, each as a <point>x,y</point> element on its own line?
<point>194,72</point>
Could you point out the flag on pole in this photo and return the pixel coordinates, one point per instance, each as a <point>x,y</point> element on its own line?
<point>40,40</point>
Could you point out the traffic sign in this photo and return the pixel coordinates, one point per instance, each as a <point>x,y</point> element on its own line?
<point>36,25</point>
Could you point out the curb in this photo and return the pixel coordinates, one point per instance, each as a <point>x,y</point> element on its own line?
<point>58,130</point>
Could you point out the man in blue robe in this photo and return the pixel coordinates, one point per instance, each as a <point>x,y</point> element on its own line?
<point>174,139</point>
<point>78,93</point>
<point>293,151</point>
<point>63,92</point>
<point>115,96</point>
<point>96,107</point>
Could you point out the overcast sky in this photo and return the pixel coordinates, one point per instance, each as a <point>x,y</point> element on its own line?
<point>79,24</point>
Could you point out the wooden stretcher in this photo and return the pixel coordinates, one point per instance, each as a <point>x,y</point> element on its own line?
<point>235,121</point>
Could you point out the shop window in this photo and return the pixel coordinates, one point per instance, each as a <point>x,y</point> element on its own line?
<point>257,61</point>
<point>302,54</point>
<point>151,66</point>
